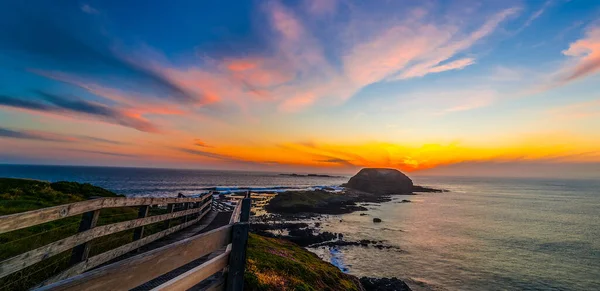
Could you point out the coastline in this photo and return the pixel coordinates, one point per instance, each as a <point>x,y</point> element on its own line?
<point>290,216</point>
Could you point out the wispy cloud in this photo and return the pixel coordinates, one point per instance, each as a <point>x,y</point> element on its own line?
<point>336,161</point>
<point>322,7</point>
<point>221,157</point>
<point>297,72</point>
<point>447,44</point>
<point>98,139</point>
<point>200,143</point>
<point>535,15</point>
<point>18,134</point>
<point>585,55</point>
<point>51,136</point>
<point>116,154</point>
<point>411,48</point>
<point>89,9</point>
<point>55,104</point>
<point>55,42</point>
<point>206,154</point>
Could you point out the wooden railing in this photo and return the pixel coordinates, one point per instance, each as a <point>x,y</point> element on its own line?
<point>221,207</point>
<point>226,244</point>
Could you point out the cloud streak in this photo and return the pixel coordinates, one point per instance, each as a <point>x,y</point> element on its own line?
<point>585,54</point>
<point>55,104</point>
<point>200,143</point>
<point>50,136</point>
<point>56,41</point>
<point>17,134</point>
<point>221,157</point>
<point>300,70</point>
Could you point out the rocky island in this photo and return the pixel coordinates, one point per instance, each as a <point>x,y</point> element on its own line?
<point>370,185</point>
<point>289,212</point>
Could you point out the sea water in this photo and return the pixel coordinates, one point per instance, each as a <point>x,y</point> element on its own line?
<point>485,234</point>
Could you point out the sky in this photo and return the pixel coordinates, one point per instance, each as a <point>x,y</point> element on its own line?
<point>492,88</point>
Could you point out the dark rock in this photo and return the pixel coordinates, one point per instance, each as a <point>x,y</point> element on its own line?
<point>384,284</point>
<point>362,243</point>
<point>317,201</point>
<point>427,189</point>
<point>381,181</point>
<point>404,201</point>
<point>303,237</point>
<point>376,220</point>
<point>363,214</point>
<point>277,226</point>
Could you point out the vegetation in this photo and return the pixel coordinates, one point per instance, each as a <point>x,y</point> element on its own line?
<point>303,198</point>
<point>272,264</point>
<point>317,201</point>
<point>19,195</point>
<point>275,264</point>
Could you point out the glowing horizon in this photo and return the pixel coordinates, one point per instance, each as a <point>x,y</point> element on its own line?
<point>431,87</point>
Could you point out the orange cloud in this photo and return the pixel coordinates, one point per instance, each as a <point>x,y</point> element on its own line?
<point>297,102</point>
<point>586,52</point>
<point>240,65</point>
<point>200,143</point>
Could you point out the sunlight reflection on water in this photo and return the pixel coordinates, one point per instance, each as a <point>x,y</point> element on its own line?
<point>492,234</point>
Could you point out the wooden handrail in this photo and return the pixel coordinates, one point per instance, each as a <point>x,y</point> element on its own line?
<point>137,270</point>
<point>30,218</point>
<point>235,216</point>
<point>197,274</point>
<point>29,258</point>
<point>119,251</point>
<point>190,278</point>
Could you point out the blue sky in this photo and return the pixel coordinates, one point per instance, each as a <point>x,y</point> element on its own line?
<point>330,85</point>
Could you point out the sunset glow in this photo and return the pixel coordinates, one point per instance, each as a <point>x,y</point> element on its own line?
<point>310,86</point>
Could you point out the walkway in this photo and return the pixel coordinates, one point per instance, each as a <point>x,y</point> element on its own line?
<point>212,220</point>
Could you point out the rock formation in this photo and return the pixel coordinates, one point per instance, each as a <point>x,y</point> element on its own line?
<point>381,181</point>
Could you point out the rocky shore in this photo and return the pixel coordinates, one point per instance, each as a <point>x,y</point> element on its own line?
<point>296,215</point>
<point>335,203</point>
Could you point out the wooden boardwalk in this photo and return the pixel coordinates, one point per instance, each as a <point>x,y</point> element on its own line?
<point>206,251</point>
<point>214,221</point>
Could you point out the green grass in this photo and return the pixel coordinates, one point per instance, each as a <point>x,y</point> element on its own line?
<point>298,201</point>
<point>291,199</point>
<point>275,264</point>
<point>19,195</point>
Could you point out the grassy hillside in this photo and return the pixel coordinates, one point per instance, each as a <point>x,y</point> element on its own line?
<point>19,195</point>
<point>275,264</point>
<point>317,201</point>
<point>272,264</point>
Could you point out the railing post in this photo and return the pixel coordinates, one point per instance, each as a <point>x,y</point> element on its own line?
<point>139,232</point>
<point>245,211</point>
<point>186,206</point>
<point>88,221</point>
<point>170,208</point>
<point>237,257</point>
<point>239,239</point>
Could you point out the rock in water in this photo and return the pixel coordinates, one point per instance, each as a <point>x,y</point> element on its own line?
<point>381,181</point>
<point>384,284</point>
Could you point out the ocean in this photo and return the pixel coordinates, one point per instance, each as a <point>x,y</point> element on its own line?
<point>485,234</point>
